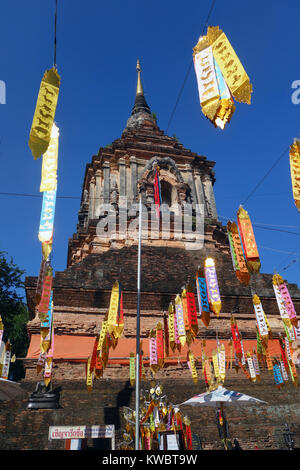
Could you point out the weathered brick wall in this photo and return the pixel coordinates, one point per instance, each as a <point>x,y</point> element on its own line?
<point>260,425</point>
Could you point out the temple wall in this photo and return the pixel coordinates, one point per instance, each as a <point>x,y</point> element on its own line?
<point>254,425</point>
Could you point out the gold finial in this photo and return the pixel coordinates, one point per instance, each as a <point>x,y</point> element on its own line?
<point>139,88</point>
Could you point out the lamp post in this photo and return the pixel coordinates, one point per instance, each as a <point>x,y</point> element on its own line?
<point>137,373</point>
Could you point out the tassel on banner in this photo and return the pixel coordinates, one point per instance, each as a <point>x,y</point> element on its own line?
<point>248,240</point>
<point>203,303</point>
<point>214,298</point>
<point>237,255</point>
<point>40,133</point>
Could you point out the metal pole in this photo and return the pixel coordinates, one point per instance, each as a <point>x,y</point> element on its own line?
<point>137,373</point>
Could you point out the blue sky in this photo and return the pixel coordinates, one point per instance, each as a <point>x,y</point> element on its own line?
<point>97,47</point>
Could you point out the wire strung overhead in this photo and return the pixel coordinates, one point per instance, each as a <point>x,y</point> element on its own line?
<point>55,22</point>
<point>189,69</point>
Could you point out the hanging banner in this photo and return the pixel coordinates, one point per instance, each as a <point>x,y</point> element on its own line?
<point>89,376</point>
<point>192,366</point>
<point>295,171</point>
<point>237,255</point>
<point>172,327</point>
<point>153,352</point>
<point>187,320</point>
<point>277,375</point>
<point>177,340</point>
<point>49,165</point>
<point>112,321</point>
<point>251,368</point>
<point>132,369</point>
<point>206,79</point>
<point>6,360</point>
<point>232,70</point>
<point>102,338</point>
<point>260,318</point>
<point>215,365</point>
<point>43,306</point>
<point>157,192</point>
<point>46,328</point>
<point>236,337</point>
<point>166,334</point>
<point>256,366</point>
<point>160,345</point>
<point>276,280</point>
<point>40,133</point>
<point>221,362</point>
<point>119,328</point>
<point>212,286</point>
<point>192,310</point>
<point>203,303</point>
<point>180,320</point>
<point>47,217</point>
<point>248,240</point>
<point>286,298</point>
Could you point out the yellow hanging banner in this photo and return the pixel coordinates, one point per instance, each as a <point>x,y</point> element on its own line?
<point>295,171</point>
<point>230,65</point>
<point>49,166</point>
<point>40,133</point>
<point>132,369</point>
<point>112,321</point>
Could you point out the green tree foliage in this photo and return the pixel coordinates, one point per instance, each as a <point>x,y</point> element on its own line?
<point>13,311</point>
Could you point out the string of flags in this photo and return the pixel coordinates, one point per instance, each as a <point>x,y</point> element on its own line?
<point>111,330</point>
<point>43,140</point>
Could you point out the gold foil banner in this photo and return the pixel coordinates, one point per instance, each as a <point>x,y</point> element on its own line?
<point>40,133</point>
<point>295,171</point>
<point>49,166</point>
<point>248,240</point>
<point>230,65</point>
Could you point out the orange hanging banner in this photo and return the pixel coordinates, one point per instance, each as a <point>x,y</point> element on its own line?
<point>248,240</point>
